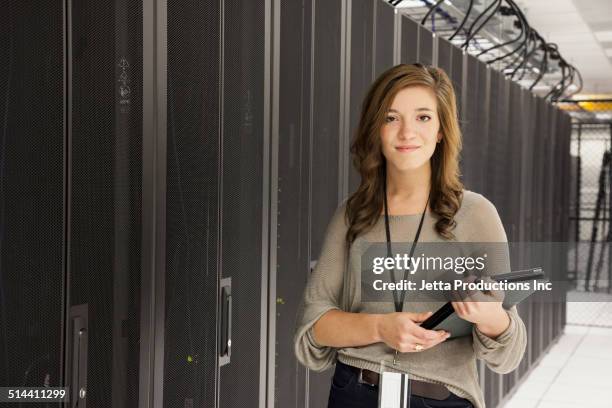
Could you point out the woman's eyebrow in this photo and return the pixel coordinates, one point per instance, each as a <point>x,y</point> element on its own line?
<point>418,110</point>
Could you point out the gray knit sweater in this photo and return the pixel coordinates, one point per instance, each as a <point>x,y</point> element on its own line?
<point>452,362</point>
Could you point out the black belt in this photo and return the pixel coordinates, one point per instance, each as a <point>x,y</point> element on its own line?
<point>419,388</point>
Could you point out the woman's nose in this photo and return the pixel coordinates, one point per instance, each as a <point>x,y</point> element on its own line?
<point>406,131</point>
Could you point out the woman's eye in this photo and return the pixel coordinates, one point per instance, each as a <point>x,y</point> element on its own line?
<point>390,118</point>
<point>428,118</point>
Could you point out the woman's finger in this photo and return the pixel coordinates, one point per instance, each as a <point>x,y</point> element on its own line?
<point>459,308</point>
<point>418,317</point>
<point>423,335</point>
<point>426,344</point>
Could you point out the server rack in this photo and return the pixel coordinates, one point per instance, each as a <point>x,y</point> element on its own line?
<point>384,35</point>
<point>32,244</point>
<point>409,40</point>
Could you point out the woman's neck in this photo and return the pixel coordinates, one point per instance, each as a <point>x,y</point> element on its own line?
<point>407,191</point>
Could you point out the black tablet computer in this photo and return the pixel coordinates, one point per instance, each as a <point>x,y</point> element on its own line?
<point>446,319</point>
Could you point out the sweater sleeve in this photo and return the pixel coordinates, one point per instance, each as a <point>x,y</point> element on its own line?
<point>323,292</point>
<point>504,353</point>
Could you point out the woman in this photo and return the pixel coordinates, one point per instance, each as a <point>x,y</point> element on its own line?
<point>406,149</point>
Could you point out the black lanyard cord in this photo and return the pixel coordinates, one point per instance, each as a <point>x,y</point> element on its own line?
<point>399,304</point>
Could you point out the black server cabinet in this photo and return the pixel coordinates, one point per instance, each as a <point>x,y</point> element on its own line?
<point>458,59</point>
<point>242,220</point>
<point>384,37</point>
<point>495,118</point>
<point>500,100</point>
<point>293,196</point>
<point>551,208</point>
<point>326,111</point>
<point>361,71</point>
<point>528,163</point>
<point>409,40</point>
<point>475,132</point>
<point>445,52</point>
<point>426,46</point>
<point>187,374</point>
<point>73,253</point>
<point>31,193</point>
<point>71,176</point>
<point>514,162</point>
<point>492,136</point>
<point>325,171</point>
<point>526,213</point>
<point>539,206</point>
<point>104,157</point>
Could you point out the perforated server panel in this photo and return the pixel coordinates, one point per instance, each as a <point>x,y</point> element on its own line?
<point>426,46</point>
<point>458,59</point>
<point>192,157</point>
<point>361,70</point>
<point>105,178</point>
<point>526,206</point>
<point>475,132</point>
<point>325,144</point>
<point>445,53</point>
<point>31,192</point>
<point>384,28</point>
<point>409,43</point>
<point>491,127</point>
<point>293,196</point>
<point>540,140</point>
<point>514,162</point>
<point>242,219</point>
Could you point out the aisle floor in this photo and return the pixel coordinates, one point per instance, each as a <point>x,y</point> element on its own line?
<point>576,372</point>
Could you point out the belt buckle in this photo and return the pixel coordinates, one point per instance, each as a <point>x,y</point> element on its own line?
<point>360,379</point>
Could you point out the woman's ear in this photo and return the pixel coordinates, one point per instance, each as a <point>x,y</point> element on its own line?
<point>439,137</point>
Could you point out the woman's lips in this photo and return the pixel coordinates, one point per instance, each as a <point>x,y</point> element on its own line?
<point>406,149</point>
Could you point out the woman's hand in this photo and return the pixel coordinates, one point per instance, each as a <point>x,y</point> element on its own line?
<point>401,332</point>
<point>484,309</point>
<point>490,318</point>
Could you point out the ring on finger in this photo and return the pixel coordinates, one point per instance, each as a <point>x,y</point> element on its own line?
<point>418,347</point>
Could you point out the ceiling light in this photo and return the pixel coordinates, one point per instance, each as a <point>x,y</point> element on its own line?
<point>569,107</point>
<point>410,4</point>
<point>603,116</point>
<point>596,106</point>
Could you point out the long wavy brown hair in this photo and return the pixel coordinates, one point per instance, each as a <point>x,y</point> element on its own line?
<point>364,207</point>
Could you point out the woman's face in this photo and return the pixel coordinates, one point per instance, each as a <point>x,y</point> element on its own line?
<point>411,128</point>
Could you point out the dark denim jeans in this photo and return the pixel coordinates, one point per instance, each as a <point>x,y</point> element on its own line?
<point>347,392</point>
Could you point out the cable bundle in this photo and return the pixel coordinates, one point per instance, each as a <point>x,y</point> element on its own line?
<point>529,42</point>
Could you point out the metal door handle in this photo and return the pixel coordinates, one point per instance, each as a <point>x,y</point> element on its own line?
<point>79,319</point>
<point>225,332</point>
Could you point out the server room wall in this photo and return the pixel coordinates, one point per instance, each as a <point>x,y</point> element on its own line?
<point>228,162</point>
